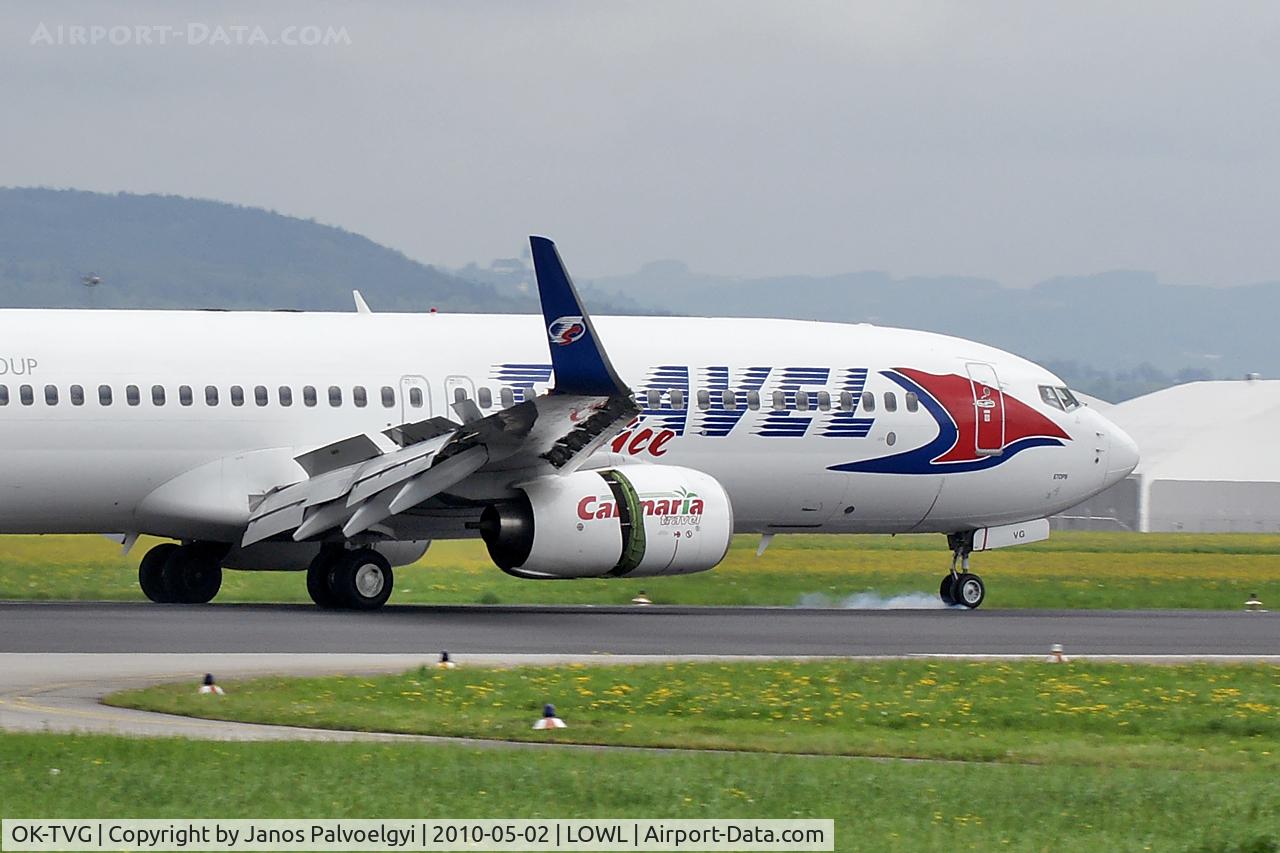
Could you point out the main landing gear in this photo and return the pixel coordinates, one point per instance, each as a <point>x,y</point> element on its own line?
<point>358,580</point>
<point>961,587</point>
<point>182,574</point>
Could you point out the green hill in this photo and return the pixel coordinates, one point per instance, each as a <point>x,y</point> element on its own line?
<point>153,251</point>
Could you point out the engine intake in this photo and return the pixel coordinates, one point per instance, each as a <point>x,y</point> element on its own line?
<point>630,521</point>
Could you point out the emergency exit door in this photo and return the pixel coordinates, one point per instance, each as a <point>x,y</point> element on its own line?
<point>988,409</point>
<point>415,399</point>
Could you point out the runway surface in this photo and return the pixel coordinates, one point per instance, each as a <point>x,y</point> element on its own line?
<point>57,660</point>
<point>230,628</point>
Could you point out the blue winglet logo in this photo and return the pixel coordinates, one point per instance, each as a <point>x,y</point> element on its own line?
<point>566,330</point>
<point>583,369</point>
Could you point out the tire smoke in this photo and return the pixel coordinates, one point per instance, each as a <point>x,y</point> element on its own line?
<point>875,601</point>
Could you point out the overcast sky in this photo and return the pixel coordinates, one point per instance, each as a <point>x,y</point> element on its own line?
<point>1013,140</point>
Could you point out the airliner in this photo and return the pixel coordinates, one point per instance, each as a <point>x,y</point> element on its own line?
<point>343,444</point>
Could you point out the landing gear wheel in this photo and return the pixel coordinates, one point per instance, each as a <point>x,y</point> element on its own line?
<point>960,586</point>
<point>193,574</point>
<point>970,590</point>
<point>947,590</point>
<point>151,570</point>
<point>362,579</point>
<point>319,578</point>
<point>203,580</point>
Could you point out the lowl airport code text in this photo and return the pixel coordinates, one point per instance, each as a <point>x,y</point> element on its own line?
<point>550,835</point>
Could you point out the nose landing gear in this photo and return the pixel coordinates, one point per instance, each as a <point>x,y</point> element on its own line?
<point>961,587</point>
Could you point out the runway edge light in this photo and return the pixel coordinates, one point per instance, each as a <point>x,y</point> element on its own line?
<point>1055,654</point>
<point>549,720</point>
<point>209,686</point>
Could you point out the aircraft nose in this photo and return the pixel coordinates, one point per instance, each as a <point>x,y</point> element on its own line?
<point>1123,456</point>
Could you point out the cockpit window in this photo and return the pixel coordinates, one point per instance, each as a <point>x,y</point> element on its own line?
<point>1059,397</point>
<point>1050,396</point>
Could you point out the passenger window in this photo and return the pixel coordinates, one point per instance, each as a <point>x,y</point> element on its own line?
<point>237,395</point>
<point>459,395</point>
<point>890,401</point>
<point>359,397</point>
<point>677,398</point>
<point>104,395</point>
<point>1050,396</point>
<point>77,395</point>
<point>753,400</point>
<point>285,395</point>
<point>335,396</point>
<point>704,400</point>
<point>308,395</point>
<point>211,395</point>
<point>132,395</point>
<point>4,395</point>
<point>508,397</point>
<point>388,397</point>
<point>824,400</point>
<point>729,399</point>
<point>27,395</point>
<point>868,401</point>
<point>184,395</point>
<point>260,395</point>
<point>485,397</point>
<point>846,401</point>
<point>157,395</point>
<point>415,398</point>
<point>779,401</point>
<point>802,401</point>
<point>653,399</point>
<point>913,401</point>
<point>51,395</point>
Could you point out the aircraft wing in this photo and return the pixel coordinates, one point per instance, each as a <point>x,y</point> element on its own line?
<point>360,481</point>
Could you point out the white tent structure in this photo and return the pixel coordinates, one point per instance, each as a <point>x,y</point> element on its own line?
<point>1210,462</point>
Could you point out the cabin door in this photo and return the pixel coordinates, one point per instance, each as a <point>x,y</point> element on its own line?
<point>988,409</point>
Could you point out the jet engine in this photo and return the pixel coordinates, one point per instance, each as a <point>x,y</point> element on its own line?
<point>630,521</point>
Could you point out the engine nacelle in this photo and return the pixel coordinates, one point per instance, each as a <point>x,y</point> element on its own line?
<point>630,521</point>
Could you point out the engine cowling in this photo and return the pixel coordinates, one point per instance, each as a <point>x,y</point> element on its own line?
<point>630,521</point>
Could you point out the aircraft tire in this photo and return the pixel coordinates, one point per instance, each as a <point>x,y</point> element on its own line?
<point>320,579</point>
<point>970,590</point>
<point>192,574</point>
<point>946,590</point>
<point>363,579</point>
<point>151,573</point>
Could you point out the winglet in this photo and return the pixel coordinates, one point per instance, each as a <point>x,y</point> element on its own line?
<point>580,363</point>
<point>362,307</point>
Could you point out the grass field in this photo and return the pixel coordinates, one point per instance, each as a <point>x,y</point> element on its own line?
<point>1174,717</point>
<point>1071,570</point>
<point>877,806</point>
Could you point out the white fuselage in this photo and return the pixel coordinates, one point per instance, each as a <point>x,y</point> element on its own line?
<point>85,465</point>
